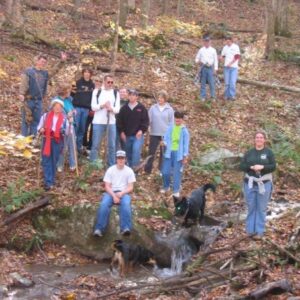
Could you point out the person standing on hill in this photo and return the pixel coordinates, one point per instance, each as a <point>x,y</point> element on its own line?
<point>82,104</point>
<point>133,122</point>
<point>231,54</point>
<point>208,59</point>
<point>105,104</point>
<point>161,116</point>
<point>258,164</point>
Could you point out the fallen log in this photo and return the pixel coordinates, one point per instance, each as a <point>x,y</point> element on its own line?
<point>277,287</point>
<point>108,69</point>
<point>26,210</point>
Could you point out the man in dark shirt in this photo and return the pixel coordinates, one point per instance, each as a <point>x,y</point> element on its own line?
<point>82,104</point>
<point>132,123</point>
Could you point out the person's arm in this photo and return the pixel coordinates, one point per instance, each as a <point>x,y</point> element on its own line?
<point>40,127</point>
<point>171,116</point>
<point>24,86</point>
<point>236,56</point>
<point>94,105</point>
<point>145,120</point>
<point>186,145</point>
<point>127,190</point>
<point>216,63</point>
<point>116,106</point>
<point>271,166</point>
<point>244,164</point>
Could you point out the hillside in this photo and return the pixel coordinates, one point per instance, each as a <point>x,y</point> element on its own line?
<point>160,57</point>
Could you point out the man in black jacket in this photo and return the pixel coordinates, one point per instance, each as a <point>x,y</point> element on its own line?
<point>82,104</point>
<point>132,123</point>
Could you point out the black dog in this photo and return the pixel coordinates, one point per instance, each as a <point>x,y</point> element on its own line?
<point>128,255</point>
<point>192,207</point>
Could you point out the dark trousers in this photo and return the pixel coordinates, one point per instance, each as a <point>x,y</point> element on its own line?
<point>88,134</point>
<point>154,143</point>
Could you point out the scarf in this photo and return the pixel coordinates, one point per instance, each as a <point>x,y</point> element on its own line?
<point>48,130</point>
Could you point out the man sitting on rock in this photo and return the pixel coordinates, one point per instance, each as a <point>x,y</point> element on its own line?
<point>118,180</point>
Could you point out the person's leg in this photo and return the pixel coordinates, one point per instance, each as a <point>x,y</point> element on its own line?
<point>25,127</point>
<point>103,212</point>
<point>211,82</point>
<point>166,173</point>
<point>111,145</point>
<point>56,149</point>
<point>82,126</point>
<point>203,83</point>
<point>36,116</point>
<point>98,132</point>
<point>177,172</point>
<point>77,124</point>
<point>61,158</point>
<point>153,144</point>
<point>136,150</point>
<point>128,149</point>
<point>125,213</point>
<point>85,141</point>
<point>161,154</point>
<point>251,200</point>
<point>262,203</point>
<point>47,169</point>
<point>232,82</point>
<point>226,82</point>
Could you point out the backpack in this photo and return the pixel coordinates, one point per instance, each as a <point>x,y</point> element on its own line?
<point>115,94</point>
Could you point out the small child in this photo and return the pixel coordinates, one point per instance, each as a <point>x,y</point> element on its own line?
<point>52,126</point>
<point>176,140</point>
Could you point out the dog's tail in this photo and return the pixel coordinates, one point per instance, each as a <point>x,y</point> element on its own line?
<point>209,186</point>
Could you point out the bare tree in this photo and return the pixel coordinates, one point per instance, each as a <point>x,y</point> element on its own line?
<point>123,12</point>
<point>180,7</point>
<point>131,4</point>
<point>269,29</point>
<point>116,40</point>
<point>145,13</point>
<point>280,8</point>
<point>165,7</point>
<point>13,11</point>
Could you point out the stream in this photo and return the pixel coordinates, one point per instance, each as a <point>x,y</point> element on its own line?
<point>49,278</point>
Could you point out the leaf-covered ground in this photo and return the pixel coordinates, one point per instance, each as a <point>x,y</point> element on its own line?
<point>161,57</point>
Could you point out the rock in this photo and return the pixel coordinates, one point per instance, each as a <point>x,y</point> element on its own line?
<point>230,159</point>
<point>73,227</point>
<point>21,281</point>
<point>3,291</point>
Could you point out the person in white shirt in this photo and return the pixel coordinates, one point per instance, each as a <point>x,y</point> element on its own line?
<point>231,54</point>
<point>208,59</point>
<point>119,180</point>
<point>105,104</point>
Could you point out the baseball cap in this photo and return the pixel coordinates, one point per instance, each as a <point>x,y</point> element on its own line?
<point>120,153</point>
<point>133,92</point>
<point>206,38</point>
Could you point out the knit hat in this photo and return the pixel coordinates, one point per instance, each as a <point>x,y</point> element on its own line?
<point>56,100</point>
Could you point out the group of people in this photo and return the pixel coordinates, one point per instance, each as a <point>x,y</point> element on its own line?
<point>208,59</point>
<point>93,108</point>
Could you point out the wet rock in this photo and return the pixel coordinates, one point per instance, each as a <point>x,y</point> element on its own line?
<point>21,281</point>
<point>3,291</point>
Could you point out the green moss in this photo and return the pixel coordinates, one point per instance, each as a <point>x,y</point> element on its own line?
<point>64,212</point>
<point>160,211</point>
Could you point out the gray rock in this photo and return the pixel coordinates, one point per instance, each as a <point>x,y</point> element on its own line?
<point>3,291</point>
<point>230,159</point>
<point>20,280</point>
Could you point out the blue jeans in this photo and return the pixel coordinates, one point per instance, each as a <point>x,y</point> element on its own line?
<point>207,75</point>
<point>103,212</point>
<point>99,131</point>
<point>49,162</point>
<point>257,207</point>
<point>36,107</point>
<point>230,78</point>
<point>172,167</point>
<point>133,148</point>
<point>80,121</point>
<point>69,141</point>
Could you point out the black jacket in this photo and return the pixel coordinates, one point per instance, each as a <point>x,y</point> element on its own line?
<point>83,95</point>
<point>131,121</point>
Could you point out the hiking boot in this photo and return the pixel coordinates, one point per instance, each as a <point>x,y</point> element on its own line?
<point>72,169</point>
<point>125,232</point>
<point>98,233</point>
<point>163,191</point>
<point>59,169</point>
<point>177,195</point>
<point>47,188</point>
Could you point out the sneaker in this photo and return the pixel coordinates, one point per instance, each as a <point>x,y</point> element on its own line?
<point>176,194</point>
<point>47,188</point>
<point>257,237</point>
<point>72,169</point>
<point>125,232</point>
<point>59,169</point>
<point>163,191</point>
<point>98,233</point>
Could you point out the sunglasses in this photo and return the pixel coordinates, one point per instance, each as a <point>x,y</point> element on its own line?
<point>110,82</point>
<point>121,157</point>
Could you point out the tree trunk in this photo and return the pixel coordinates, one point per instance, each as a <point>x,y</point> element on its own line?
<point>13,10</point>
<point>180,7</point>
<point>116,39</point>
<point>123,12</point>
<point>165,7</point>
<point>145,13</point>
<point>131,4</point>
<point>280,8</point>
<point>269,29</point>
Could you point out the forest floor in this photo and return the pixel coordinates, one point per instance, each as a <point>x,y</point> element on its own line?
<point>162,58</point>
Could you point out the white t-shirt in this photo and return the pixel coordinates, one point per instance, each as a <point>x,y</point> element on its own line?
<point>119,178</point>
<point>207,56</point>
<point>229,52</point>
<point>100,116</point>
